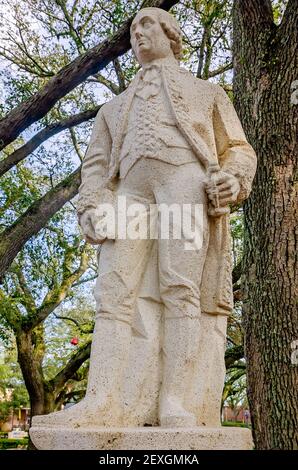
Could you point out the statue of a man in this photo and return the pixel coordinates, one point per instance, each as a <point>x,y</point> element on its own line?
<point>170,138</point>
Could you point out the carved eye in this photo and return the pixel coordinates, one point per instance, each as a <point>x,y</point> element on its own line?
<point>147,23</point>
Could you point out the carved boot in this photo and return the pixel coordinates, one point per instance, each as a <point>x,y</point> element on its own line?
<point>101,405</point>
<point>180,354</point>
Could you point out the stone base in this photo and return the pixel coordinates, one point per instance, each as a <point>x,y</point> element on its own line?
<point>148,438</point>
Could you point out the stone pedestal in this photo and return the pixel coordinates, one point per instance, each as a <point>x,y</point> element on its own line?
<point>148,438</point>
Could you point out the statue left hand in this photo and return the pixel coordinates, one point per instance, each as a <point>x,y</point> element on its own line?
<point>227,189</point>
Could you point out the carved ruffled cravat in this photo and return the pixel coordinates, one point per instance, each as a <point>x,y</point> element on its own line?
<point>150,82</point>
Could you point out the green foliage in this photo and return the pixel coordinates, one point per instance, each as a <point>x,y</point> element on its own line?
<point>278,7</point>
<point>13,443</point>
<point>13,393</point>
<point>235,424</point>
<point>73,320</point>
<point>236,222</point>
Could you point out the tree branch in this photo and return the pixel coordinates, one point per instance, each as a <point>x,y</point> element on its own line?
<point>22,64</point>
<point>64,396</point>
<point>68,78</point>
<point>233,354</point>
<point>76,144</point>
<point>29,224</point>
<point>27,298</point>
<point>58,382</point>
<point>201,53</point>
<point>55,296</point>
<point>99,78</point>
<point>72,30</point>
<point>80,327</point>
<point>25,50</point>
<point>53,129</point>
<point>221,69</point>
<point>83,281</point>
<point>237,272</point>
<point>120,75</point>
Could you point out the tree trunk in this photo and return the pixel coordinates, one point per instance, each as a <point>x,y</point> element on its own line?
<point>49,402</point>
<point>265,64</point>
<point>30,360</point>
<point>44,394</point>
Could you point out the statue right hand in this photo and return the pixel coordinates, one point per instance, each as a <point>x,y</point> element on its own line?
<point>88,222</point>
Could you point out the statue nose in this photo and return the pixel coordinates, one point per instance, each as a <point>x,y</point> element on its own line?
<point>138,34</point>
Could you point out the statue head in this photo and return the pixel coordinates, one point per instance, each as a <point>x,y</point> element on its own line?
<point>155,34</point>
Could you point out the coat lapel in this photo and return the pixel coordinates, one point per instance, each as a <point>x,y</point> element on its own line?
<point>121,125</point>
<point>181,112</point>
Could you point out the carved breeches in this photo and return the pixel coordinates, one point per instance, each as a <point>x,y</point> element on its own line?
<point>123,262</point>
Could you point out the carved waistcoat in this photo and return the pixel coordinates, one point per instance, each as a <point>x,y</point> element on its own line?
<point>152,133</point>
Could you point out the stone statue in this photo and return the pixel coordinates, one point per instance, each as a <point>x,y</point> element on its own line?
<point>158,347</point>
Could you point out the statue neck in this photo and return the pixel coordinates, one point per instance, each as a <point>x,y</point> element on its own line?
<point>169,61</point>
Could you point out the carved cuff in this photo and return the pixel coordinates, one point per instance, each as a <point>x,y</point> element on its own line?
<point>90,199</point>
<point>244,173</point>
<point>245,188</point>
<point>245,182</point>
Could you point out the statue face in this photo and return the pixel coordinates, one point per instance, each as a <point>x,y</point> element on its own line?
<point>148,39</point>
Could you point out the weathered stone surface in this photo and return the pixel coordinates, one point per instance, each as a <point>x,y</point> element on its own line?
<point>162,303</point>
<point>154,438</point>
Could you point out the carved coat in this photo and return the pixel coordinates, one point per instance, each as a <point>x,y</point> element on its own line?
<point>206,118</point>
